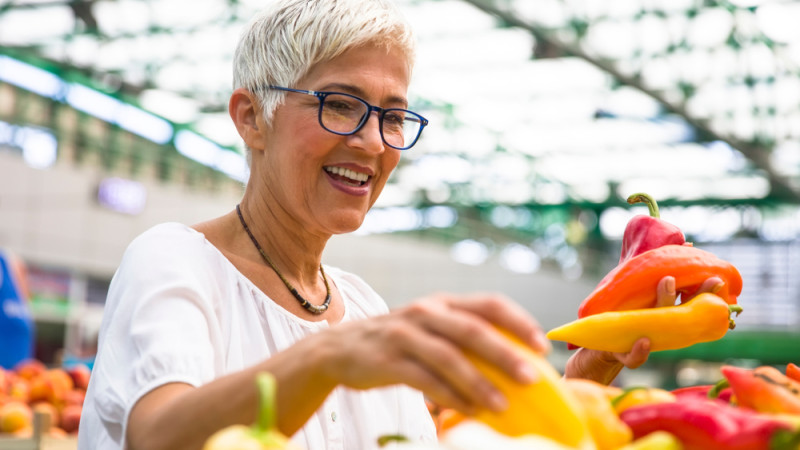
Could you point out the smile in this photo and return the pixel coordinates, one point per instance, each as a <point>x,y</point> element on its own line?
<point>347,176</point>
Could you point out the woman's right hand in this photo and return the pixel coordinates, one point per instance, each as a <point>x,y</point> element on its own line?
<point>423,344</point>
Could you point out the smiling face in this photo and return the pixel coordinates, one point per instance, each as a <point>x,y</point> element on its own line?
<point>328,182</point>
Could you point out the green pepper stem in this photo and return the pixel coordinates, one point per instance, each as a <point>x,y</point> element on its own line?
<point>717,388</point>
<point>652,205</point>
<point>386,439</point>
<point>615,401</point>
<point>733,309</point>
<point>266,409</point>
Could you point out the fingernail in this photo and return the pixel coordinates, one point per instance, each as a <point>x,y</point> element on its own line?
<point>497,401</point>
<point>525,373</point>
<point>542,342</point>
<point>717,287</point>
<point>671,285</point>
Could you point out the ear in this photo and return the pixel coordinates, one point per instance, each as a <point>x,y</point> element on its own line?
<point>244,109</point>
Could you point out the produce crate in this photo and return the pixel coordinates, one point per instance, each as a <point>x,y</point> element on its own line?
<point>39,440</point>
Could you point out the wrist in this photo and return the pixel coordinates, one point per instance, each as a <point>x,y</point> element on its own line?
<point>594,365</point>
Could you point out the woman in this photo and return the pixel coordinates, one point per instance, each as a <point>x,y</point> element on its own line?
<point>193,313</point>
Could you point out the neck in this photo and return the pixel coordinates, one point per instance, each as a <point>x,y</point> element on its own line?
<point>290,245</point>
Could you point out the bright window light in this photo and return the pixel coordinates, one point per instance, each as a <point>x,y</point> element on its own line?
<point>121,195</point>
<point>39,147</point>
<point>30,78</point>
<point>519,258</point>
<point>144,124</point>
<point>469,252</point>
<point>196,147</point>
<point>233,164</point>
<point>92,102</point>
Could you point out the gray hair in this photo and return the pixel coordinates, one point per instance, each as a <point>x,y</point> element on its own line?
<point>288,38</point>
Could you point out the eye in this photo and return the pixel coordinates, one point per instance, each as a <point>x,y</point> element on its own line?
<point>394,118</point>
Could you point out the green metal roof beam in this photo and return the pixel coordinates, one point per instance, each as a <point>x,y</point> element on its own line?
<point>781,185</point>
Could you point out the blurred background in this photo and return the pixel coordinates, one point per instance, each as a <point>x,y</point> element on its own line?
<point>545,115</point>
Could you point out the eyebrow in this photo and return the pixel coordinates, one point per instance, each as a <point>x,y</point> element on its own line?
<point>357,91</point>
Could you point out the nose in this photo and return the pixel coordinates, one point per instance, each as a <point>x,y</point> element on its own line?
<point>368,136</point>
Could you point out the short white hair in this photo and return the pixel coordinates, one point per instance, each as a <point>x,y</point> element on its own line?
<point>289,37</point>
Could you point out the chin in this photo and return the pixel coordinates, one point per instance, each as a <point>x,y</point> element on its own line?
<point>347,223</point>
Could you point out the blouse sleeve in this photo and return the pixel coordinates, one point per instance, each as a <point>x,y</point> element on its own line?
<point>160,325</point>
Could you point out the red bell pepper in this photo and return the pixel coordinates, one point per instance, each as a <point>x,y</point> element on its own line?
<point>764,389</point>
<point>721,391</point>
<point>793,371</point>
<point>703,424</point>
<point>645,233</point>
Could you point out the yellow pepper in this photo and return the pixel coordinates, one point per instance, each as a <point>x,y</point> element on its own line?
<point>641,395</point>
<point>703,318</point>
<point>607,429</point>
<point>263,435</point>
<point>657,440</point>
<point>545,407</point>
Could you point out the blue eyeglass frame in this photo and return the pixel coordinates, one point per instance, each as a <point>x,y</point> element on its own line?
<point>370,108</point>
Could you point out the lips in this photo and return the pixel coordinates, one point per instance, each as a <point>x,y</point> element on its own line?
<point>347,176</point>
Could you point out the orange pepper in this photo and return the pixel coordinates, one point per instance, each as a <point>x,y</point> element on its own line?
<point>793,371</point>
<point>608,431</point>
<point>764,389</point>
<point>447,419</point>
<point>633,284</point>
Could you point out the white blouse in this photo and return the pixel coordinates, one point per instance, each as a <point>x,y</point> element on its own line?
<point>179,311</point>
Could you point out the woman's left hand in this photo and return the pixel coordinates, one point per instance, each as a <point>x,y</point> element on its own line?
<point>602,366</point>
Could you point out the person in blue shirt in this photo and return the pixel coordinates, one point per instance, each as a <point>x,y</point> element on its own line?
<point>16,323</point>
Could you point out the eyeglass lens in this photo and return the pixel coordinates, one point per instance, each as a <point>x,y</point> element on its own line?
<point>343,114</point>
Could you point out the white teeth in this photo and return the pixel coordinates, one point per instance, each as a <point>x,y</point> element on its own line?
<point>347,173</point>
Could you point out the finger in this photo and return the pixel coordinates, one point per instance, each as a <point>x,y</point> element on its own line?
<point>473,334</point>
<point>712,285</point>
<point>666,295</point>
<point>506,314</point>
<point>637,356</point>
<point>443,358</point>
<point>409,372</point>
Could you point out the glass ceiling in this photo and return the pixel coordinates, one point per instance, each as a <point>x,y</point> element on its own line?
<point>532,103</point>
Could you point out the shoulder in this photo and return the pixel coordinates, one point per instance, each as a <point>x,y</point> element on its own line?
<point>165,237</point>
<point>362,300</point>
<point>170,253</point>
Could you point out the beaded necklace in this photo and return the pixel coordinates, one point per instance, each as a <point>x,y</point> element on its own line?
<point>314,309</point>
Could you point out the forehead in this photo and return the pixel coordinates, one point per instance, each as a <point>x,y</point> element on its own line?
<point>374,69</point>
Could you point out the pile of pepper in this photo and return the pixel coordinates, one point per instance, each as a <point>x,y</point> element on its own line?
<point>751,408</point>
<point>748,409</point>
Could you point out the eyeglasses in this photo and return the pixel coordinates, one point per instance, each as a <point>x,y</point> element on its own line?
<point>346,114</point>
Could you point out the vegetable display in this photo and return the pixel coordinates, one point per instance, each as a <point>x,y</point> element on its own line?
<point>763,389</point>
<point>704,318</point>
<point>703,424</point>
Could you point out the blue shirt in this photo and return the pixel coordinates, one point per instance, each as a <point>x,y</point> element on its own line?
<point>16,324</point>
